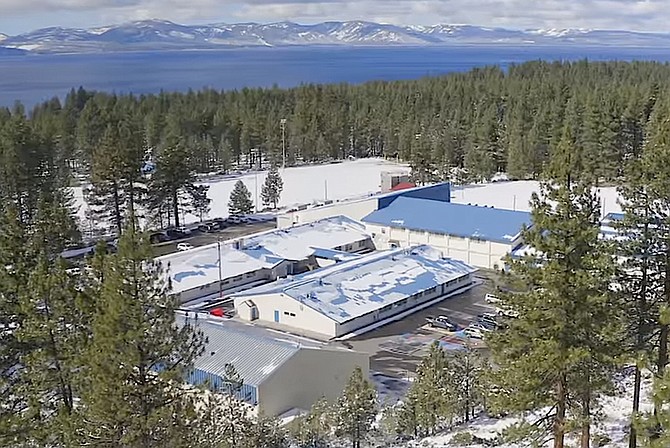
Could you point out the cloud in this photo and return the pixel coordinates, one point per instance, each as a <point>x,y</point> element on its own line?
<point>643,15</point>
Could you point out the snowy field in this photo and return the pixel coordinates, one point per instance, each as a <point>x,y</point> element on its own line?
<point>359,178</point>
<point>517,195</point>
<point>302,185</point>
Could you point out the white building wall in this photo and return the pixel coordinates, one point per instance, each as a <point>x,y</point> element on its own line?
<point>229,283</point>
<point>357,209</point>
<point>309,375</point>
<point>291,313</point>
<point>479,253</point>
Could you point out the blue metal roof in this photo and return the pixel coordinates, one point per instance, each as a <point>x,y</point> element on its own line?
<point>466,221</point>
<point>357,287</point>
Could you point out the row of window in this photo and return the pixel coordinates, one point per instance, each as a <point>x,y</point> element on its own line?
<point>286,313</point>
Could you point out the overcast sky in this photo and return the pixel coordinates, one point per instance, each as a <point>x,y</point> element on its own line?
<point>18,16</point>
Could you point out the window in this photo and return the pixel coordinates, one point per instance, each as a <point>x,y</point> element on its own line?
<point>348,247</point>
<point>249,274</point>
<point>286,313</point>
<point>400,303</point>
<point>383,231</point>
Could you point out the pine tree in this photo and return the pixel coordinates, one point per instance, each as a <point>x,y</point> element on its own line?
<point>266,432</point>
<point>54,330</point>
<point>357,408</point>
<point>314,429</point>
<point>407,414</point>
<point>272,188</point>
<point>431,402</point>
<point>137,356</point>
<point>173,182</point>
<point>650,244</point>
<point>465,380</point>
<point>14,274</point>
<point>638,275</point>
<point>222,421</point>
<point>240,202</point>
<point>559,351</point>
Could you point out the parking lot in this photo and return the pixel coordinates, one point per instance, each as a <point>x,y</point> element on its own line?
<point>198,238</point>
<point>398,347</point>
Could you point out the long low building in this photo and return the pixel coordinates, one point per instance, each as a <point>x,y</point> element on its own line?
<point>239,264</point>
<point>280,372</point>
<point>350,295</point>
<point>480,236</point>
<point>357,208</point>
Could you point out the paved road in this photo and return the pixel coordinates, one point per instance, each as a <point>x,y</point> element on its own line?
<point>200,239</point>
<point>398,347</point>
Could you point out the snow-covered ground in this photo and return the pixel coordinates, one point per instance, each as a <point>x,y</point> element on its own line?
<point>302,185</point>
<point>616,412</point>
<point>358,178</point>
<point>516,195</point>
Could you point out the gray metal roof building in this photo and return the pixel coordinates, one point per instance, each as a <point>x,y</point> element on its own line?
<point>279,371</point>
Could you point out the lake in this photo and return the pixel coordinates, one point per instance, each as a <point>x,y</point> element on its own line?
<point>34,77</point>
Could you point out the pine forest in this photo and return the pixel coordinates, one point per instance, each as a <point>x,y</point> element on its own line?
<point>96,357</point>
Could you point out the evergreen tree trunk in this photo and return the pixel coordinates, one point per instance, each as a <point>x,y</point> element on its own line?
<point>175,207</point>
<point>586,420</point>
<point>662,357</point>
<point>663,336</point>
<point>632,440</point>
<point>117,210</point>
<point>559,419</point>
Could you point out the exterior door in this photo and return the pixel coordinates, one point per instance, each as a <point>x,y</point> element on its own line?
<point>276,315</point>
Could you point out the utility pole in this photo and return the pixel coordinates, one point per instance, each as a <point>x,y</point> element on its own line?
<point>282,122</point>
<point>218,246</point>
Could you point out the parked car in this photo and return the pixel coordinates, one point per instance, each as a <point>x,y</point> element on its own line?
<point>492,317</point>
<point>490,298</point>
<point>443,322</point>
<point>487,324</point>
<point>507,312</point>
<point>175,234</point>
<point>208,227</point>
<point>238,219</point>
<point>473,333</point>
<point>481,327</point>
<point>221,223</point>
<point>184,230</point>
<point>234,219</point>
<point>184,246</point>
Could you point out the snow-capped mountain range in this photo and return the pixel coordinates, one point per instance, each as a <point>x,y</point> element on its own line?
<point>164,35</point>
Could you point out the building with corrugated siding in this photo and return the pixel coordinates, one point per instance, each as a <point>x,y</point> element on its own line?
<point>480,236</point>
<point>280,372</point>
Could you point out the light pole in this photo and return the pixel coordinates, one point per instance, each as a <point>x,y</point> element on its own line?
<point>282,122</point>
<point>218,246</point>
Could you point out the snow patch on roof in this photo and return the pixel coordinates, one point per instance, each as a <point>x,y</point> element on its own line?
<point>354,288</point>
<point>298,242</point>
<point>200,266</point>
